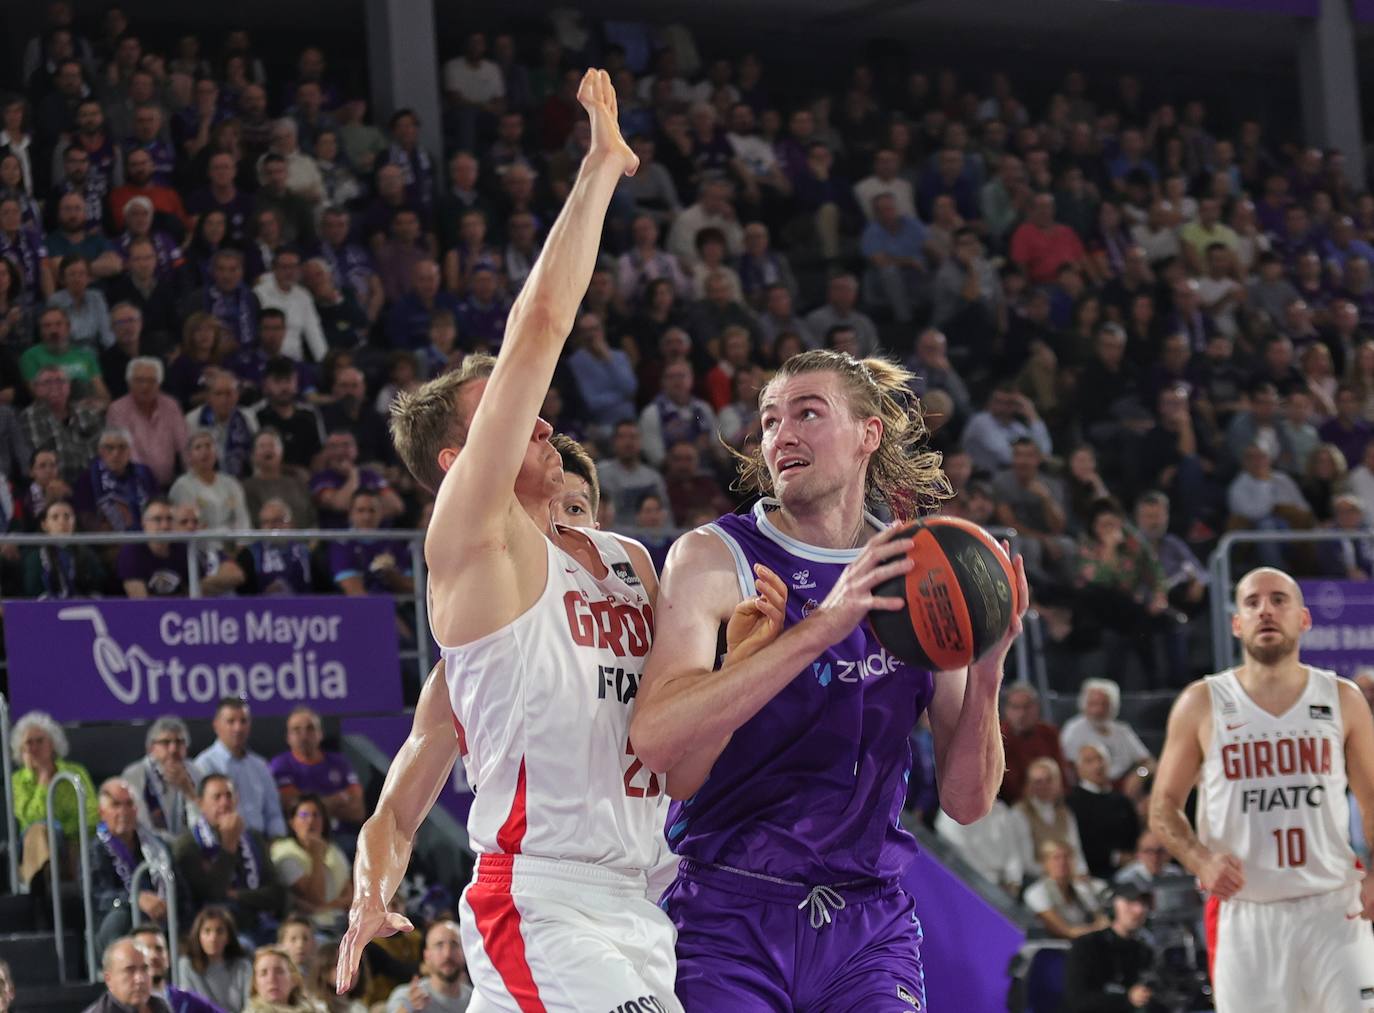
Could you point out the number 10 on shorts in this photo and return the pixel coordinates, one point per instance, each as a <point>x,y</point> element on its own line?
<point>1291,844</point>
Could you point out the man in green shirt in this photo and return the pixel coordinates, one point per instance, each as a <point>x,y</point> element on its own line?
<point>54,348</point>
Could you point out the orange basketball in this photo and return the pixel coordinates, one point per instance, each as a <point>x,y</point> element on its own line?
<point>960,596</point>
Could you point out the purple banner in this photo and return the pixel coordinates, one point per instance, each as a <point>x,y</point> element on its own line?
<point>1342,633</point>
<point>118,660</point>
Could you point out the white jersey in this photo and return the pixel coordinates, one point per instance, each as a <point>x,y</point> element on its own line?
<point>542,707</point>
<point>1273,790</point>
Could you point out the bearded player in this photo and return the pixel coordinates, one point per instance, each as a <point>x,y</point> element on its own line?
<point>1276,743</point>
<point>788,765</point>
<point>543,631</point>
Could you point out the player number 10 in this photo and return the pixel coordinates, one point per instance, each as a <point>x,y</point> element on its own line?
<point>1292,847</point>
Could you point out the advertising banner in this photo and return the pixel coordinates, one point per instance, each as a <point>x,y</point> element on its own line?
<point>1293,8</point>
<point>1342,634</point>
<point>118,659</point>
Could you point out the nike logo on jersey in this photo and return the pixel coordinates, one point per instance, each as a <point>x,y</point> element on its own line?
<point>1232,728</point>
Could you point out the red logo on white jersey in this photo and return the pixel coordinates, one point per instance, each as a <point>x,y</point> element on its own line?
<point>626,630</point>
<point>1262,758</point>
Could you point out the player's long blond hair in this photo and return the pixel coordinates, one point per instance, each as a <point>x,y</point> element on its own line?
<point>902,473</point>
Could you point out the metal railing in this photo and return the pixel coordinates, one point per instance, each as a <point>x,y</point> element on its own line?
<point>160,868</point>
<point>1224,646</point>
<point>414,539</point>
<point>11,820</point>
<point>55,876</point>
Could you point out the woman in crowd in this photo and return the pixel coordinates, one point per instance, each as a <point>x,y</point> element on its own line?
<point>210,236</point>
<point>277,985</point>
<point>314,870</point>
<point>1067,905</point>
<point>1360,374</point>
<point>40,748</point>
<point>215,964</point>
<point>65,570</point>
<point>219,497</point>
<point>1323,479</point>
<point>296,938</point>
<point>204,343</point>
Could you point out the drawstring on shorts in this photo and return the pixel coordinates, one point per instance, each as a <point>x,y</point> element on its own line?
<point>822,900</point>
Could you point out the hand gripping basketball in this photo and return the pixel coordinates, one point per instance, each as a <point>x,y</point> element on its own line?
<point>852,598</point>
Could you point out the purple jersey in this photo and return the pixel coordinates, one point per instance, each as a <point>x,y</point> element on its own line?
<point>331,775</point>
<point>811,788</point>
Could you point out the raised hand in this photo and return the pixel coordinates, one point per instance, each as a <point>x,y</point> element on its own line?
<point>366,922</point>
<point>756,622</point>
<point>852,597</point>
<point>597,95</point>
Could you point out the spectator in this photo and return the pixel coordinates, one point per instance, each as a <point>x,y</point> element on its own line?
<point>128,983</point>
<point>1351,557</point>
<point>1297,431</point>
<point>481,315</point>
<point>1106,817</point>
<point>407,323</point>
<point>1360,480</point>
<point>296,937</point>
<point>1268,500</point>
<point>79,364</point>
<point>1067,904</point>
<point>1349,430</point>
<point>230,427</point>
<point>1041,247</point>
<point>713,209</point>
<point>25,248</point>
<point>114,492</point>
<point>1129,763</point>
<point>988,845</point>
<point>127,322</point>
<point>271,481</point>
<point>1041,816</point>
<point>314,871</point>
<point>842,295</point>
<point>294,211</point>
<point>226,298</point>
<point>1258,424</point>
<point>1185,578</point>
<point>145,288</point>
<point>350,411</point>
<point>1034,504</point>
<point>153,944</point>
<point>651,189</point>
<point>45,485</point>
<point>121,845</point>
<point>296,422</point>
<point>203,346</point>
<point>164,782</point>
<point>332,487</point>
<point>223,195</point>
<point>59,572</point>
<point>143,228</point>
<point>1009,416</point>
<point>691,490</point>
<point>254,786</point>
<point>39,748</point>
<point>277,985</point>
<point>1151,864</point>
<point>276,567</point>
<point>675,415</point>
<point>282,291</point>
<point>305,768</point>
<point>1107,969</point>
<point>154,420</point>
<point>719,309</point>
<point>218,497</point>
<point>624,477</point>
<point>215,963</point>
<point>154,569</point>
<point>1325,476</point>
<point>1026,738</point>
<point>54,424</point>
<point>350,263</point>
<point>445,988</point>
<point>88,316</point>
<point>378,566</point>
<point>894,246</point>
<point>605,378</point>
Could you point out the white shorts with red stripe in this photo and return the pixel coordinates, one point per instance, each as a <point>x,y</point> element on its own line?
<point>543,935</point>
<point>1312,953</point>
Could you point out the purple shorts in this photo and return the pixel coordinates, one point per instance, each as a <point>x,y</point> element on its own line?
<point>748,945</point>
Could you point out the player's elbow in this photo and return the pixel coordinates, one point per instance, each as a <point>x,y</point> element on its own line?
<point>967,810</point>
<point>649,741</point>
<point>535,321</point>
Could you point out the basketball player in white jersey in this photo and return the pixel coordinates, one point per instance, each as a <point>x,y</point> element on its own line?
<point>1276,743</point>
<point>543,631</point>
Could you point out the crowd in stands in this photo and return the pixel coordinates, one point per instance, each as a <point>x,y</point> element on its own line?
<point>1131,324</point>
<point>262,855</point>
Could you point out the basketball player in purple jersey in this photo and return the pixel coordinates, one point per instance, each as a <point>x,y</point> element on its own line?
<point>788,765</point>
